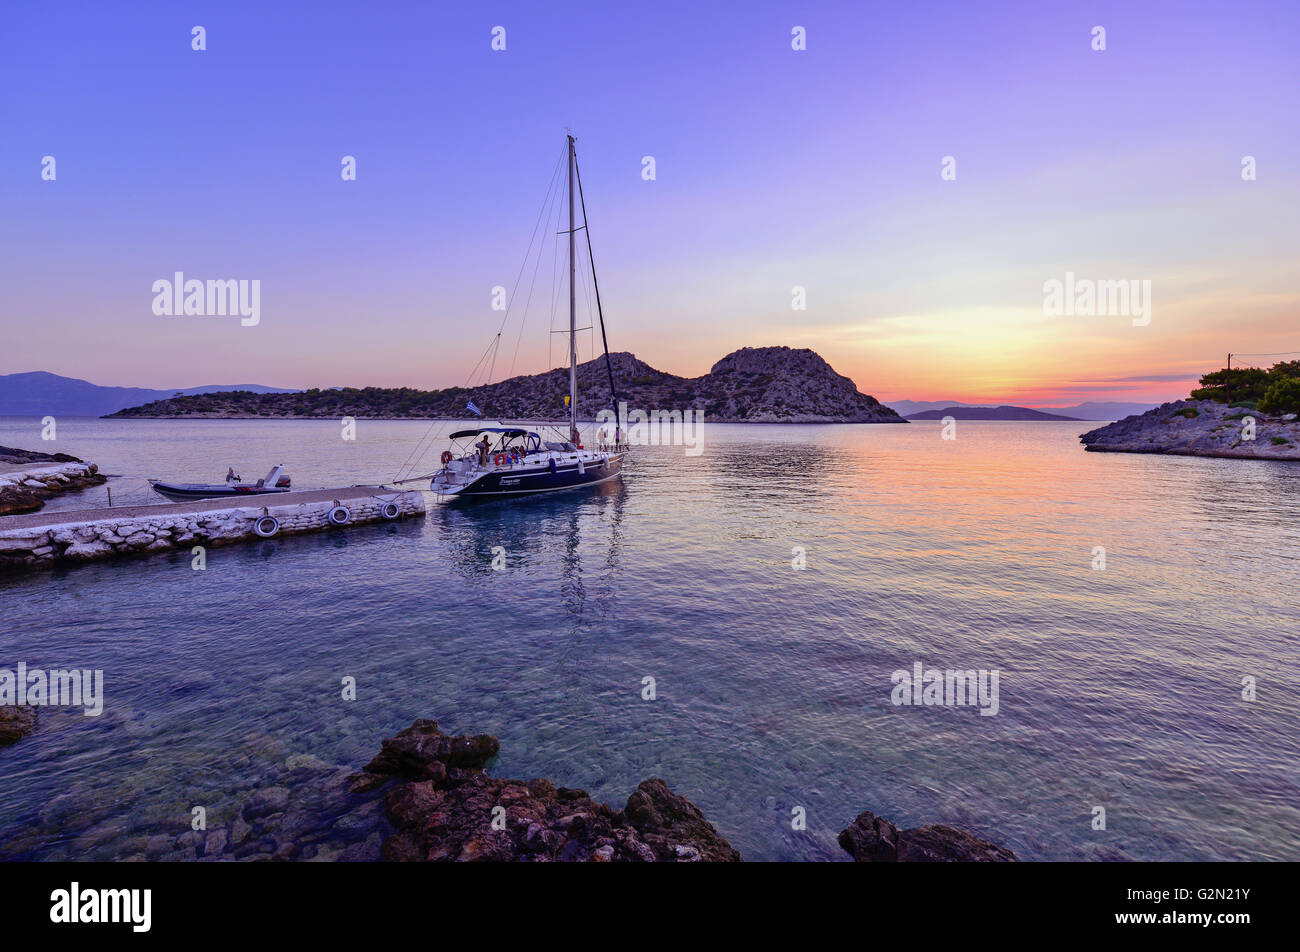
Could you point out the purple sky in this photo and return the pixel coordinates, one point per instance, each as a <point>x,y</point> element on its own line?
<point>775,168</point>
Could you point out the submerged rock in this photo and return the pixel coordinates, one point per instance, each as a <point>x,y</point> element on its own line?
<point>443,807</point>
<point>873,839</point>
<point>16,722</point>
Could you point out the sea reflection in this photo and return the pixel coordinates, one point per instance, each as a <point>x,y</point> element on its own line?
<point>773,682</point>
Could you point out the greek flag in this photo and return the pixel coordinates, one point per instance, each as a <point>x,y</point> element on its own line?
<point>473,409</point>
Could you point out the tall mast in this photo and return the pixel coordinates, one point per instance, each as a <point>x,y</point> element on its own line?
<point>573,345</point>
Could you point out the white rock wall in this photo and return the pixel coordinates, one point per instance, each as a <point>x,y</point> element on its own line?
<point>87,541</point>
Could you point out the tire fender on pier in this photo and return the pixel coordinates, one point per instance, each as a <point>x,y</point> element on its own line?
<point>340,515</point>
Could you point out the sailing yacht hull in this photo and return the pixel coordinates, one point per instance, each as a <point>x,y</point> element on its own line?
<point>509,482</point>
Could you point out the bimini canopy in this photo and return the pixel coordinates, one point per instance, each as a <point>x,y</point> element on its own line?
<point>508,431</point>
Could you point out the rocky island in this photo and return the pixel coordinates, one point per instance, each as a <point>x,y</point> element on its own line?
<point>751,385</point>
<point>1002,413</point>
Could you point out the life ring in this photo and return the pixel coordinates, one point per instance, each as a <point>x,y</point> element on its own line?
<point>267,526</point>
<point>339,515</point>
<point>446,457</point>
<point>390,510</point>
<point>501,459</point>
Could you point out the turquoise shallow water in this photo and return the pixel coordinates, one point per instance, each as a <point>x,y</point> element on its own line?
<point>1119,688</point>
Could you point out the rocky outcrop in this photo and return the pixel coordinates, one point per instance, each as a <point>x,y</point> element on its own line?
<point>1200,428</point>
<point>751,385</point>
<point>16,722</point>
<point>444,807</point>
<point>873,839</point>
<point>10,454</point>
<point>26,483</point>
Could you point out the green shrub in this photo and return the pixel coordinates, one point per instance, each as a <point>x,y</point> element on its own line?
<point>1188,412</point>
<point>1282,396</point>
<point>1279,440</point>
<point>1246,385</point>
<point>1243,383</point>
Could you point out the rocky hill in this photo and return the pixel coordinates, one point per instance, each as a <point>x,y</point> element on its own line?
<point>751,385</point>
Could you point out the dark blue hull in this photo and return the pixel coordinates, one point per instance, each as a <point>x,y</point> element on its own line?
<point>514,483</point>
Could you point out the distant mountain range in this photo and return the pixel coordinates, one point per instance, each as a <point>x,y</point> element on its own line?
<point>751,385</point>
<point>1093,410</point>
<point>763,384</point>
<point>987,413</point>
<point>41,394</point>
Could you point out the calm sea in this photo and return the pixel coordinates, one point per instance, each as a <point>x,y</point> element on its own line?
<point>1120,688</point>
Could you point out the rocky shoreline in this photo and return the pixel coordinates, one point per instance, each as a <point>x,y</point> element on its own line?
<point>1200,428</point>
<point>25,483</point>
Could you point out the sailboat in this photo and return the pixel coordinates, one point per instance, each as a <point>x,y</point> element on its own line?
<point>514,460</point>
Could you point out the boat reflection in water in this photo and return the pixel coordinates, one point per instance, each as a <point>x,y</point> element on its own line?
<point>582,536</point>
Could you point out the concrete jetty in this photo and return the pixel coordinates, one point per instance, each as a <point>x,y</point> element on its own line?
<point>43,539</point>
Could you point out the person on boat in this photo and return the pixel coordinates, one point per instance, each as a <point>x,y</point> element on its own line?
<point>483,451</point>
<point>230,475</point>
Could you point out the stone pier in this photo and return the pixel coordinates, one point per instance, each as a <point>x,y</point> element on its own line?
<point>44,539</point>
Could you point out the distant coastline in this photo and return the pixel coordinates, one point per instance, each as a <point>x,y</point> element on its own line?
<point>1002,413</point>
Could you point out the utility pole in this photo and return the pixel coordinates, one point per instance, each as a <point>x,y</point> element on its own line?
<point>1227,382</point>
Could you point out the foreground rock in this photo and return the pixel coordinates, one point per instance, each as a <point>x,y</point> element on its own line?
<point>16,722</point>
<point>445,808</point>
<point>1200,428</point>
<point>28,478</point>
<point>873,839</point>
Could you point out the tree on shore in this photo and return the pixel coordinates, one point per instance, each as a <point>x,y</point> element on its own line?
<point>1276,390</point>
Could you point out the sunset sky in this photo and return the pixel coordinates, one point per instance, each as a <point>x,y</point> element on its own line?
<point>775,168</point>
